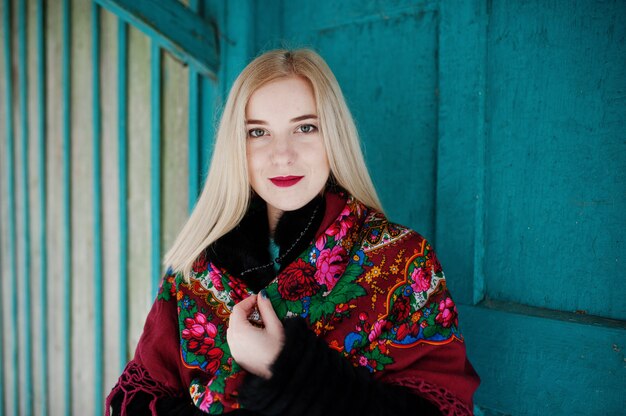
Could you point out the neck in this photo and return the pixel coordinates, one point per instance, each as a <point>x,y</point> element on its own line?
<point>273,215</point>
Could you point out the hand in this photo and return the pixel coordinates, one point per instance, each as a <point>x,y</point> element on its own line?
<point>255,348</point>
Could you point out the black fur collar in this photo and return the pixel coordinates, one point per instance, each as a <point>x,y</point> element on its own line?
<point>244,251</point>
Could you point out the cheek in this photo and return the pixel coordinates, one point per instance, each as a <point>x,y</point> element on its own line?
<point>322,161</point>
<point>252,167</point>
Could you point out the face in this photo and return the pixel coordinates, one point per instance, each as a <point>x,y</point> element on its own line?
<point>287,160</point>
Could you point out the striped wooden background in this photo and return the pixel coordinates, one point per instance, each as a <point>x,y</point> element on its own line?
<point>100,127</point>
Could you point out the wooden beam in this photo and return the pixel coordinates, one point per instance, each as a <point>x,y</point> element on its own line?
<point>174,27</point>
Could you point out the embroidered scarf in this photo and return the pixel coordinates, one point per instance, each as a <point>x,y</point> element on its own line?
<point>373,290</point>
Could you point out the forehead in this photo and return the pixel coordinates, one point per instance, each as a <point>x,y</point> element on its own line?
<point>285,97</point>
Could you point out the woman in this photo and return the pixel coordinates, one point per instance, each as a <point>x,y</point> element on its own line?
<point>288,291</point>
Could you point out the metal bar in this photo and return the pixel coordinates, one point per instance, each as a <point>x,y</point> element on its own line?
<point>43,233</point>
<point>174,27</point>
<point>6,24</point>
<point>97,213</point>
<point>155,164</point>
<point>67,190</point>
<point>26,348</point>
<point>122,93</point>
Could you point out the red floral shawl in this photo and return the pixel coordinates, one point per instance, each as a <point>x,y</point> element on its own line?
<point>373,290</point>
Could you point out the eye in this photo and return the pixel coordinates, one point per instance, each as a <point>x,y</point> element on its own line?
<point>256,132</point>
<point>306,128</point>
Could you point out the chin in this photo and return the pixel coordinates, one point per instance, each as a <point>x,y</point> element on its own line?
<point>291,206</point>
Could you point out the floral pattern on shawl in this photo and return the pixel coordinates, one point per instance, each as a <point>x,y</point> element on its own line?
<point>371,289</point>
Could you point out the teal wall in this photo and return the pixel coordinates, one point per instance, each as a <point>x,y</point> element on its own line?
<point>556,156</point>
<point>496,129</point>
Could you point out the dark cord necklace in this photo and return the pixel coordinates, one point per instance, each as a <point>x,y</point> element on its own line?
<point>280,258</point>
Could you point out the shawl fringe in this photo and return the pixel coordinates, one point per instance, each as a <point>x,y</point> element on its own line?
<point>447,402</point>
<point>135,381</point>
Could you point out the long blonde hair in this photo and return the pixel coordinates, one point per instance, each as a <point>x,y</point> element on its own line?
<point>226,193</point>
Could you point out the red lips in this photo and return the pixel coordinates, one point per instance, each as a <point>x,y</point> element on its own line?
<point>286,181</point>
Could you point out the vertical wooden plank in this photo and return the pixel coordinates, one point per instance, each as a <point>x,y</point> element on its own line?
<point>155,164</point>
<point>193,142</point>
<point>237,17</point>
<point>26,343</point>
<point>194,128</point>
<point>67,206</point>
<point>55,207</point>
<point>556,177</point>
<point>175,154</point>
<point>10,154</point>
<point>98,321</point>
<point>461,149</point>
<point>18,206</point>
<point>112,244</point>
<point>42,401</point>
<point>83,239</point>
<point>7,36</point>
<point>34,157</point>
<point>3,226</point>
<point>122,94</point>
<point>212,91</point>
<point>4,223</point>
<point>140,295</point>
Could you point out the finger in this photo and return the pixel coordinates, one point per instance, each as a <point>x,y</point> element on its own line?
<point>267,312</point>
<point>243,309</point>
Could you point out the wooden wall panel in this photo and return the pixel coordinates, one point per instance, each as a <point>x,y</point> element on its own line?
<point>461,147</point>
<point>174,209</point>
<point>535,363</point>
<point>175,147</point>
<point>18,218</point>
<point>6,275</point>
<point>54,183</point>
<point>5,268</point>
<point>110,198</point>
<point>82,209</point>
<point>556,156</point>
<point>139,290</point>
<point>34,182</point>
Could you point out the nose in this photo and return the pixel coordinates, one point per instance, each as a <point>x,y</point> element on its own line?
<point>282,151</point>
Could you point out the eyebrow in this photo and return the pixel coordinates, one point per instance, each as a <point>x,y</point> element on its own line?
<point>293,120</point>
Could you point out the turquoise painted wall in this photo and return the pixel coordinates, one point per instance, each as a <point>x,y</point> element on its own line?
<point>498,130</point>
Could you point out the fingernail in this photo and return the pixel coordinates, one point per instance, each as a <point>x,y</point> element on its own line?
<point>263,293</point>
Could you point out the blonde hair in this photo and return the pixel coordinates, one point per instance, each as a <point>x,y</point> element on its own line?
<point>226,193</point>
